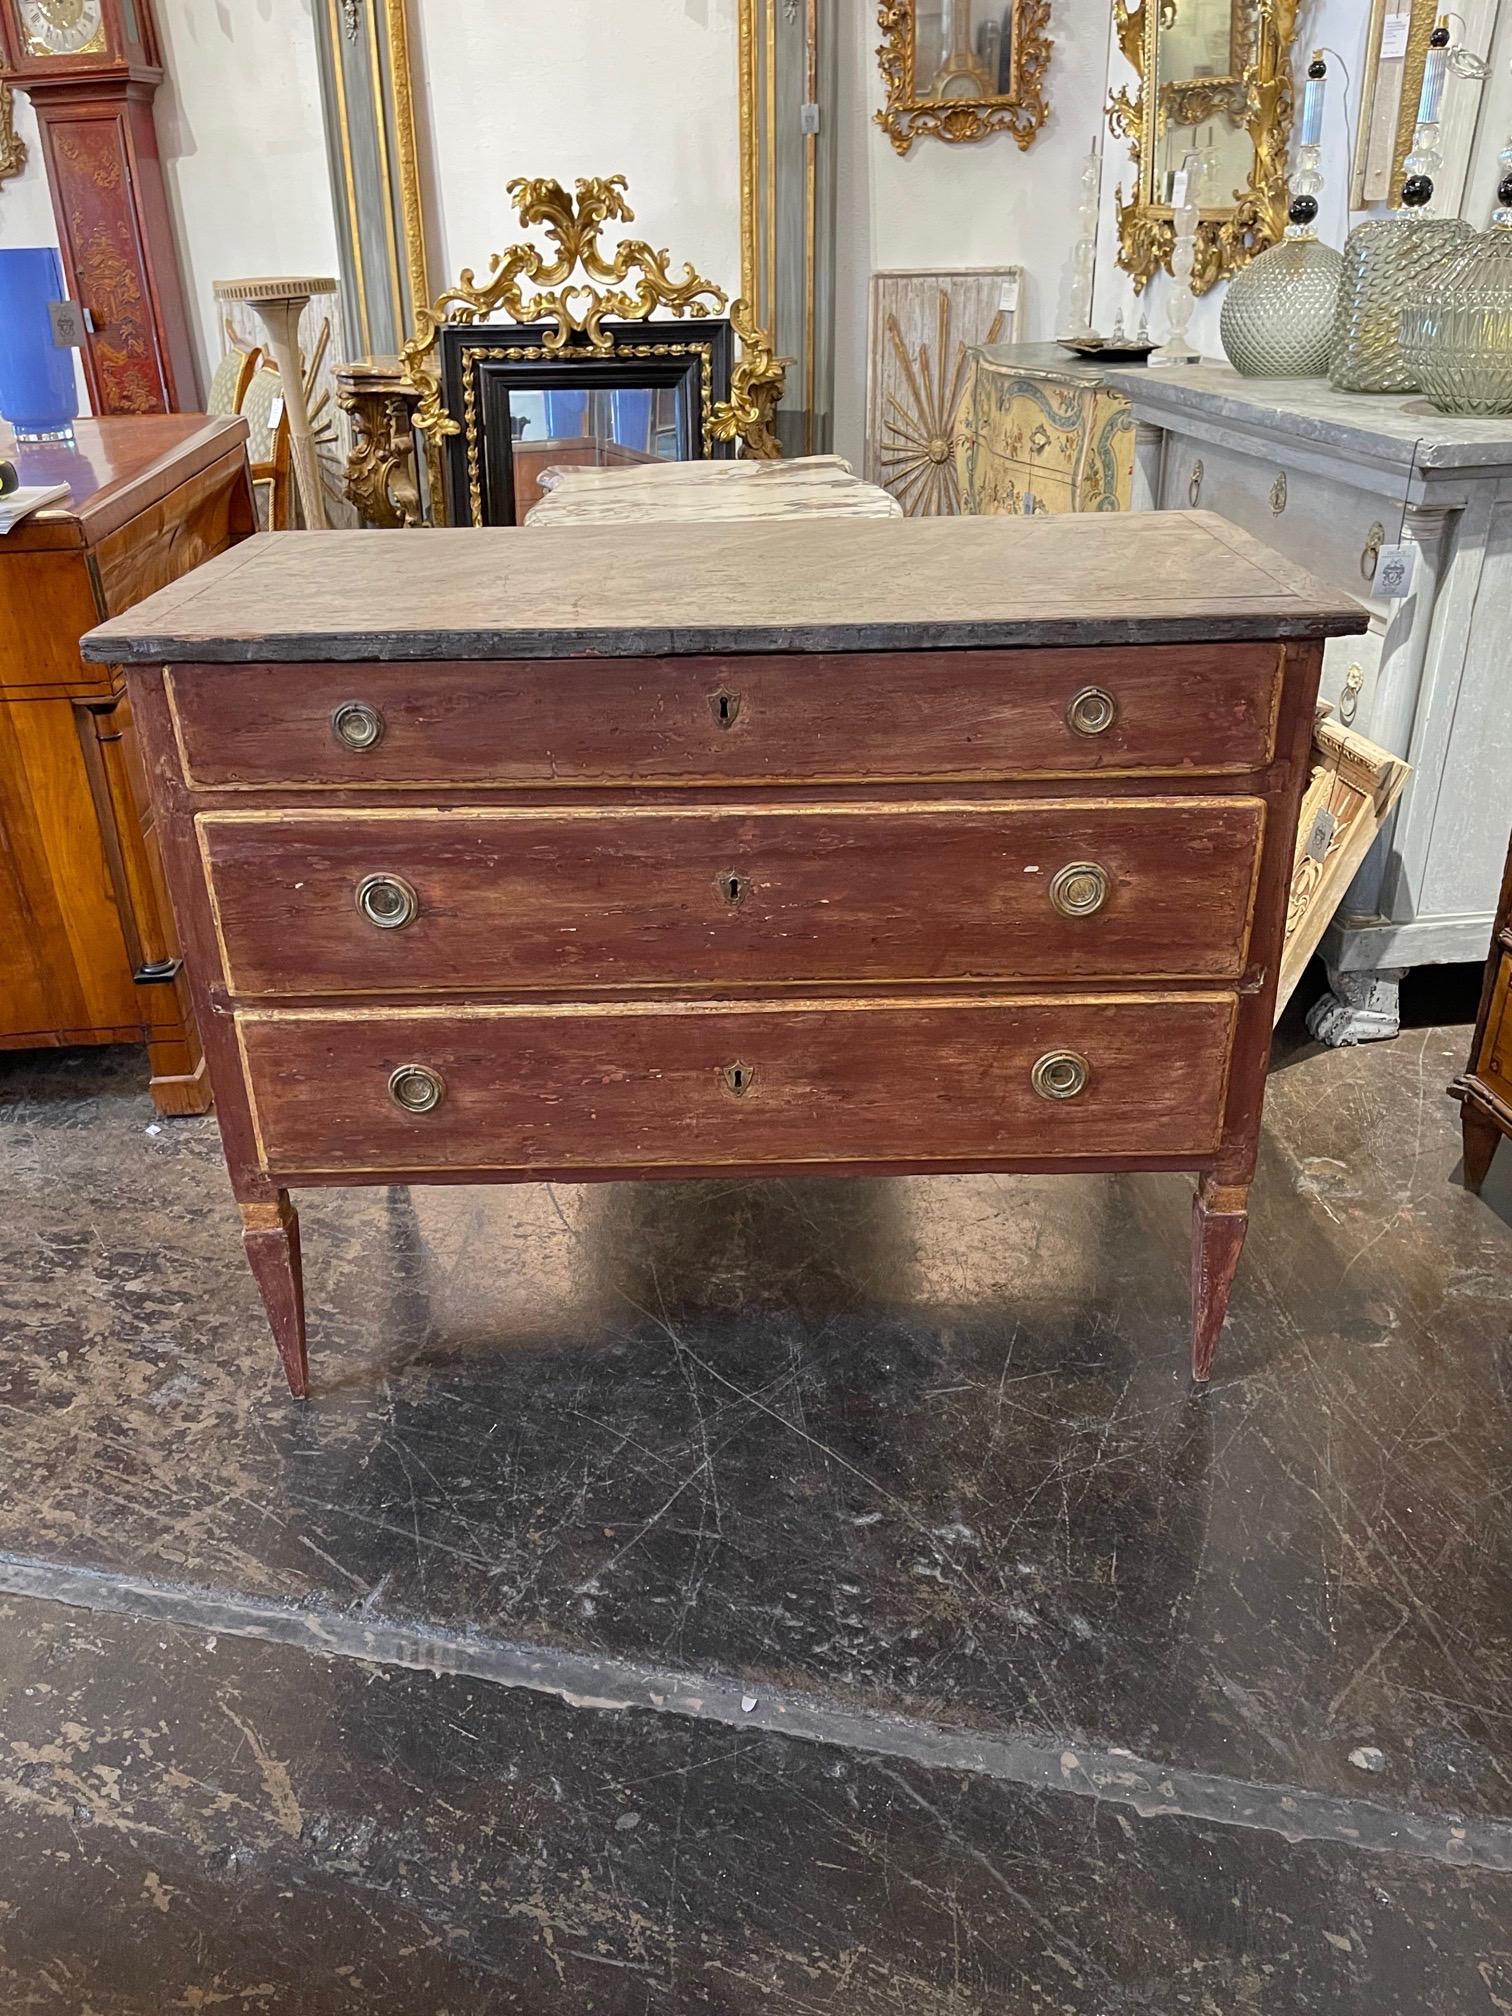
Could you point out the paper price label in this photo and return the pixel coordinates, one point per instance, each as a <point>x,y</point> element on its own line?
<point>67,324</point>
<point>1394,30</point>
<point>1394,572</point>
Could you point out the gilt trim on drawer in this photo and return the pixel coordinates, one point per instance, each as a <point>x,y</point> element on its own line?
<point>1187,711</point>
<point>634,890</point>
<point>678,1134</point>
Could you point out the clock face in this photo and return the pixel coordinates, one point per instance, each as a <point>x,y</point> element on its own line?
<point>63,27</point>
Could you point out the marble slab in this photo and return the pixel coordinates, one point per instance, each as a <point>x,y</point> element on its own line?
<point>1401,429</point>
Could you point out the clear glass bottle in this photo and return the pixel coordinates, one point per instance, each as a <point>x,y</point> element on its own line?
<point>1278,314</point>
<point>1457,325</point>
<point>1083,262</point>
<point>1177,348</point>
<point>1386,256</point>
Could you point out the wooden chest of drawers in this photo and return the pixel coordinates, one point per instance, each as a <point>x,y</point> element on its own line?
<point>87,951</point>
<point>901,846</point>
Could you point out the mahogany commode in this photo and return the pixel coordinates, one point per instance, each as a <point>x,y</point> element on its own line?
<point>853,847</point>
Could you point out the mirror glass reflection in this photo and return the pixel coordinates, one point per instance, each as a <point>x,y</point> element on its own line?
<point>1202,50</point>
<point>963,49</point>
<point>579,427</point>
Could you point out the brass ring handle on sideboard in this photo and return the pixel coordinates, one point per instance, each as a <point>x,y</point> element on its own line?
<point>1079,889</point>
<point>415,1088</point>
<point>356,725</point>
<point>1194,488</point>
<point>1061,1074</point>
<point>1370,552</point>
<point>1093,711</point>
<point>388,902</point>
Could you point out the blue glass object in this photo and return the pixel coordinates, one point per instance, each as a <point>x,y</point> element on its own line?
<point>632,420</point>
<point>566,415</point>
<point>39,393</point>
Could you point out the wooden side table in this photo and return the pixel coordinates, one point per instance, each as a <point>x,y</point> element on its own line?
<point>1484,1089</point>
<point>87,947</point>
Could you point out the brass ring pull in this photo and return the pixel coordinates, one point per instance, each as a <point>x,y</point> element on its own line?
<point>387,901</point>
<point>356,725</point>
<point>1349,698</point>
<point>1061,1074</point>
<point>415,1088</point>
<point>1093,711</point>
<point>1370,553</point>
<point>1079,889</point>
<point>1278,494</point>
<point>1194,488</point>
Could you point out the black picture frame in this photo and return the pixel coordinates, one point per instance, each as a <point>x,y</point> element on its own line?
<point>486,365</point>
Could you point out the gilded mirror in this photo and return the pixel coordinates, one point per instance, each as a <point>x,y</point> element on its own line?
<point>961,69</point>
<point>1214,99</point>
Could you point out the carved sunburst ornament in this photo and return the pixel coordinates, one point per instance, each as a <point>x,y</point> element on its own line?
<point>921,426</point>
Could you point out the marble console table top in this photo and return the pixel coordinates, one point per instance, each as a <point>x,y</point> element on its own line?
<point>1400,430</point>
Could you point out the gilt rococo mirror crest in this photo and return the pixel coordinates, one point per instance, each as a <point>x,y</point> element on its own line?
<point>580,295</point>
<point>961,69</point>
<point>1213,98</point>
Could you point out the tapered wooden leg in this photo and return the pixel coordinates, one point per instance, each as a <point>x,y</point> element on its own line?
<point>1220,1219</point>
<point>1482,1136</point>
<point>270,1233</point>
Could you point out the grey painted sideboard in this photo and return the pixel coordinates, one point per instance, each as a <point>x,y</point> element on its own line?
<point>1332,479</point>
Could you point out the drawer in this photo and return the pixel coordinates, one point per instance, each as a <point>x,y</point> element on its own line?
<point>969,715</point>
<point>488,899</point>
<point>686,1086</point>
<point>1331,527</point>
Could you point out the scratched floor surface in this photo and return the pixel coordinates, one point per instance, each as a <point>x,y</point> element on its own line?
<point>883,1505</point>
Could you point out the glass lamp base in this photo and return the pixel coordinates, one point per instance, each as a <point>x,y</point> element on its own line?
<point>30,437</point>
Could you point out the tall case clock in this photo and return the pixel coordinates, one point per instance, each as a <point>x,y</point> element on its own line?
<point>91,68</point>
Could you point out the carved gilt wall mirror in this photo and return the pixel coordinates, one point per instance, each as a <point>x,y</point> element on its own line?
<point>961,69</point>
<point>1214,85</point>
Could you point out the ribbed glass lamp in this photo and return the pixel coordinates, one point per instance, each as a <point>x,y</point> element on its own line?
<point>1278,314</point>
<point>1387,256</point>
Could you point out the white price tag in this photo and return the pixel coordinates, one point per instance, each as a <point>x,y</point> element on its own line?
<point>275,412</point>
<point>1394,572</point>
<point>1394,31</point>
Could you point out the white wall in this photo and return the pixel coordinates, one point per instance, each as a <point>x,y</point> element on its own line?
<point>647,89</point>
<point>26,213</point>
<point>238,122</point>
<point>985,204</point>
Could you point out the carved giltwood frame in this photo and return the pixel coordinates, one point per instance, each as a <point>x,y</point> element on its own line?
<point>908,113</point>
<point>12,146</point>
<point>1227,238</point>
<point>576,308</point>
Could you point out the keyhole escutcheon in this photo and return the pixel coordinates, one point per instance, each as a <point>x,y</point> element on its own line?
<point>725,707</point>
<point>732,888</point>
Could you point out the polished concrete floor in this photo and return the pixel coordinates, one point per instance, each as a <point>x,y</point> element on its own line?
<point>796,1597</point>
